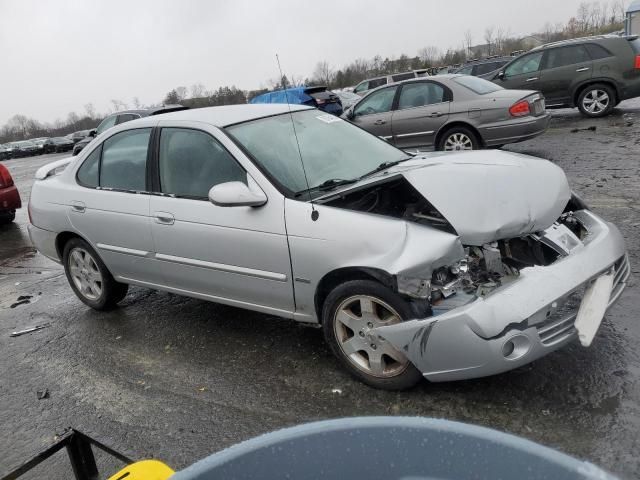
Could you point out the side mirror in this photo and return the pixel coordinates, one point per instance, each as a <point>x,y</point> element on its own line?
<point>236,194</point>
<point>92,132</point>
<point>351,113</point>
<point>500,75</point>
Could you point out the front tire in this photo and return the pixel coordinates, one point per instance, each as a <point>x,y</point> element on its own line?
<point>458,139</point>
<point>349,314</point>
<point>7,218</point>
<point>596,100</point>
<point>89,277</point>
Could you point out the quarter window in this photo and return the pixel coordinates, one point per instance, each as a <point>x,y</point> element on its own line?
<point>596,52</point>
<point>363,87</point>
<point>124,160</point>
<point>191,162</point>
<point>377,102</point>
<point>561,57</point>
<point>88,171</point>
<point>527,64</point>
<point>420,94</point>
<point>127,117</point>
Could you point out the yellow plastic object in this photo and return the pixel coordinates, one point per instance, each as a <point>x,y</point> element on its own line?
<point>144,470</point>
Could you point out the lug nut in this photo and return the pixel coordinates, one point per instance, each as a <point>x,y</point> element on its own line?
<point>374,346</point>
<point>370,325</point>
<point>361,334</point>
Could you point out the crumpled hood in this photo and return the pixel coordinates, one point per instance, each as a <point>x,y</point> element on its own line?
<point>490,195</point>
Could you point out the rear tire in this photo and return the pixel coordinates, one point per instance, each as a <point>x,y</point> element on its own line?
<point>89,277</point>
<point>459,139</point>
<point>365,304</point>
<point>7,218</point>
<point>596,100</point>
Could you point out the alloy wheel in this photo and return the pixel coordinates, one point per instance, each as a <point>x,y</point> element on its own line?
<point>596,101</point>
<point>458,141</point>
<point>354,321</point>
<point>85,273</point>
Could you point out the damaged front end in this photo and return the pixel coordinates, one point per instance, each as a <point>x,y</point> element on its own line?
<point>512,301</point>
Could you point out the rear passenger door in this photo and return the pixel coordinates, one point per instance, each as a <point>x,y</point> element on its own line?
<point>563,69</point>
<point>423,107</point>
<point>373,113</point>
<point>110,205</point>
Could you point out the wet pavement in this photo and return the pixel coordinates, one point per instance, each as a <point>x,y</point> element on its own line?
<point>176,378</point>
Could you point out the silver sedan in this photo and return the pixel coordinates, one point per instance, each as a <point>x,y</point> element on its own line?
<point>445,266</point>
<point>450,112</point>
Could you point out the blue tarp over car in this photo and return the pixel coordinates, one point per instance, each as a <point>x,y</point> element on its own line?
<point>296,95</point>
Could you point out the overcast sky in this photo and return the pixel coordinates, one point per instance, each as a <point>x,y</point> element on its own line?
<point>58,55</point>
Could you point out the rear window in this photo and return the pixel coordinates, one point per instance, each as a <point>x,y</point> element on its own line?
<point>377,82</point>
<point>477,85</point>
<point>403,76</point>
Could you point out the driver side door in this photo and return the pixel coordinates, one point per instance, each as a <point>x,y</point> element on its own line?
<point>374,112</point>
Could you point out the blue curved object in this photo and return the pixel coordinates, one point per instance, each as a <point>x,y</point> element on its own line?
<point>389,448</point>
<point>296,96</point>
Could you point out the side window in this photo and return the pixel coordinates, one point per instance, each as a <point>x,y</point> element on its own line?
<point>561,57</point>
<point>106,124</point>
<point>487,67</point>
<point>403,76</point>
<point>377,82</point>
<point>127,117</point>
<point>527,64</point>
<point>596,52</point>
<point>376,102</point>
<point>124,160</point>
<point>363,87</point>
<point>191,162</point>
<point>466,70</point>
<point>88,171</point>
<point>420,94</point>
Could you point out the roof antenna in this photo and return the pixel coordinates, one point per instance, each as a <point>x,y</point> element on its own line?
<point>314,213</point>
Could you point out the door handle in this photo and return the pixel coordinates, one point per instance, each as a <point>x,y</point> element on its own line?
<point>164,218</point>
<point>583,69</point>
<point>532,79</point>
<point>79,207</point>
<point>379,122</point>
<point>436,114</point>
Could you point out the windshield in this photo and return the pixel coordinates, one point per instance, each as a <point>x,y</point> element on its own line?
<point>477,85</point>
<point>331,148</point>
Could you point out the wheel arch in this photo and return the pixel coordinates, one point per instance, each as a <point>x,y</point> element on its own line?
<point>63,237</point>
<point>592,81</point>
<point>457,123</point>
<point>345,274</point>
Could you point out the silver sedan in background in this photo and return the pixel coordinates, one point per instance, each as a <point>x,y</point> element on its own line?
<point>450,112</point>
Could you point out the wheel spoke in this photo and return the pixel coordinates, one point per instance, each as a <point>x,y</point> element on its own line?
<point>353,345</point>
<point>367,308</point>
<point>376,363</point>
<point>389,351</point>
<point>348,319</point>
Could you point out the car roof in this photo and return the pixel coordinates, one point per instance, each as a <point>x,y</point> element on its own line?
<point>231,114</point>
<point>573,41</point>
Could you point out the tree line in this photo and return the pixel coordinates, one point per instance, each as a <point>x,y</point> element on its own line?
<point>592,18</point>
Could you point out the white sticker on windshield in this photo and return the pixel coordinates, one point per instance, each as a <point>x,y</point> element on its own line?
<point>328,118</point>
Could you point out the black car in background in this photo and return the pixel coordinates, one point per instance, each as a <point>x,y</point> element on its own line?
<point>79,135</point>
<point>6,152</point>
<point>55,145</point>
<point>25,148</point>
<point>483,66</point>
<point>122,117</point>
<point>591,73</point>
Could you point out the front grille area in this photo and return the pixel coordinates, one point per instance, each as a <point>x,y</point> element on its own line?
<point>559,326</point>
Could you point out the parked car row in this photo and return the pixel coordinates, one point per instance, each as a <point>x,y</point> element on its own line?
<point>37,146</point>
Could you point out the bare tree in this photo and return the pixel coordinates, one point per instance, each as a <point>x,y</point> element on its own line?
<point>119,105</point>
<point>137,104</point>
<point>583,16</point>
<point>489,38</point>
<point>181,92</point>
<point>501,36</point>
<point>197,90</point>
<point>90,110</point>
<point>468,40</point>
<point>618,10</point>
<point>429,55</point>
<point>323,72</point>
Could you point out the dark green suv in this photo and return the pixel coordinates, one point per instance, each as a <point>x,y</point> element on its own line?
<point>591,73</point>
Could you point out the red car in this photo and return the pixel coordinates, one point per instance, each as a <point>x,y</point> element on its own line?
<point>9,197</point>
